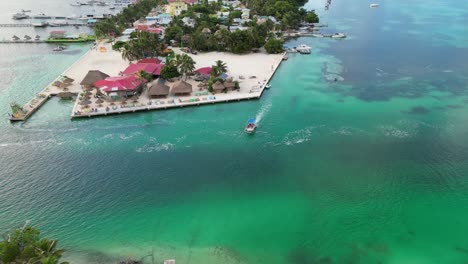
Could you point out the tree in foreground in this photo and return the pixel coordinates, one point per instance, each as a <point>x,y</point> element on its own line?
<point>219,68</point>
<point>170,70</point>
<point>274,45</point>
<point>26,246</point>
<point>185,64</point>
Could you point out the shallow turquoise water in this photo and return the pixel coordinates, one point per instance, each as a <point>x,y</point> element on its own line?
<point>369,170</point>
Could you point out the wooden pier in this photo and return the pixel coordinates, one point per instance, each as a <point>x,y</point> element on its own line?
<point>15,25</point>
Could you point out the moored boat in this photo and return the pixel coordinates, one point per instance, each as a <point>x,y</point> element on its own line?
<point>19,16</point>
<point>251,126</point>
<point>303,49</point>
<point>338,35</point>
<point>285,57</point>
<point>374,5</point>
<point>267,86</point>
<point>40,24</point>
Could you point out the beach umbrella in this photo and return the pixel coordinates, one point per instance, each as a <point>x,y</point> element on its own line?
<point>85,97</point>
<point>67,79</point>
<point>88,93</point>
<point>26,37</point>
<point>85,102</point>
<point>99,101</point>
<point>15,37</point>
<point>64,85</point>
<point>65,95</point>
<point>57,83</point>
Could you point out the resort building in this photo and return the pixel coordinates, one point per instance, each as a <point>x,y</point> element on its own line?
<point>175,8</point>
<point>161,19</point>
<point>245,14</point>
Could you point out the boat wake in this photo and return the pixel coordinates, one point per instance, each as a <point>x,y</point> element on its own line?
<point>262,112</point>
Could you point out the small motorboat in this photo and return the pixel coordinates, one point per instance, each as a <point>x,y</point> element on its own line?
<point>59,48</point>
<point>285,57</point>
<point>19,16</point>
<point>374,5</point>
<point>251,126</point>
<point>338,35</point>
<point>303,49</point>
<point>267,86</point>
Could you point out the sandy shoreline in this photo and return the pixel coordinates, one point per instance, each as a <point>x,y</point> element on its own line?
<point>260,65</point>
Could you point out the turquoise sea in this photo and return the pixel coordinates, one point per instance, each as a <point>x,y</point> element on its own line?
<point>371,169</point>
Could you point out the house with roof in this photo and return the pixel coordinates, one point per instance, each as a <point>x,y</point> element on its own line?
<point>161,19</point>
<point>175,8</point>
<point>245,13</point>
<point>189,22</point>
<point>263,19</point>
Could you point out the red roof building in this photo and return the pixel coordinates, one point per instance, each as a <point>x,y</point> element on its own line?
<point>204,70</point>
<point>150,60</point>
<point>120,83</point>
<point>135,68</point>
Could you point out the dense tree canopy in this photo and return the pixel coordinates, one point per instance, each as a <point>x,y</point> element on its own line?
<point>143,45</point>
<point>274,45</point>
<point>26,246</point>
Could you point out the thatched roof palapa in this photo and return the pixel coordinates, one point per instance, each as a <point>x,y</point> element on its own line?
<point>158,88</point>
<point>229,84</point>
<point>67,79</point>
<point>181,87</point>
<point>65,95</point>
<point>218,86</point>
<point>92,77</point>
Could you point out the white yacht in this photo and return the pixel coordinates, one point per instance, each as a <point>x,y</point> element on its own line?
<point>338,35</point>
<point>304,49</point>
<point>19,16</point>
<point>374,5</point>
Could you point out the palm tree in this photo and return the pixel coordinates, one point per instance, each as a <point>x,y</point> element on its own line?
<point>47,252</point>
<point>185,64</point>
<point>219,68</point>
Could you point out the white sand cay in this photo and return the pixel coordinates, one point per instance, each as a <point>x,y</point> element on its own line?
<point>262,66</point>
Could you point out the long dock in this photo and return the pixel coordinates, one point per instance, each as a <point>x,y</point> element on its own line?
<point>177,102</point>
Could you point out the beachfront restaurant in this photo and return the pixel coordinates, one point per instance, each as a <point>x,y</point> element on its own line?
<point>121,86</point>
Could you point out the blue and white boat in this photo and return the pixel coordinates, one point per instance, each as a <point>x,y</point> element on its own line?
<point>251,126</point>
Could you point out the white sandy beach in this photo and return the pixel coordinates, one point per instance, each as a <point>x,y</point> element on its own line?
<point>110,62</point>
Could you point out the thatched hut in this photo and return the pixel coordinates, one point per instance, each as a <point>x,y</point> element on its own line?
<point>65,95</point>
<point>229,84</point>
<point>91,78</point>
<point>158,89</point>
<point>218,87</point>
<point>181,88</point>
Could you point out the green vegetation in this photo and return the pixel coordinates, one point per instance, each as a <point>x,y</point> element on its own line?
<point>142,45</point>
<point>114,26</point>
<point>274,45</point>
<point>26,246</point>
<point>142,75</point>
<point>185,64</point>
<point>219,68</point>
<point>170,70</point>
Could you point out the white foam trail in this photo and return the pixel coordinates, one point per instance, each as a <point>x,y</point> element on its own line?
<point>262,112</point>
